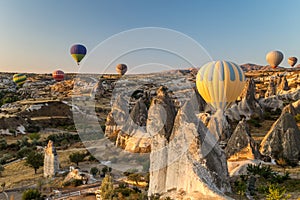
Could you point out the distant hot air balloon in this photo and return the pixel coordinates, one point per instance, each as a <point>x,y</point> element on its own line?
<point>274,58</point>
<point>78,52</point>
<point>292,61</point>
<point>19,79</point>
<point>220,83</point>
<point>121,69</point>
<point>58,75</point>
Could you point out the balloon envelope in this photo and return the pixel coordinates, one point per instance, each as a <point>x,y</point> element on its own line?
<point>292,61</point>
<point>58,75</point>
<point>274,58</point>
<point>121,69</point>
<point>220,83</point>
<point>19,79</point>
<point>78,51</point>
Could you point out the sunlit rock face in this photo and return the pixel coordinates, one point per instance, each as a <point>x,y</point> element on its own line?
<point>189,161</point>
<point>283,139</point>
<point>51,163</point>
<point>241,146</point>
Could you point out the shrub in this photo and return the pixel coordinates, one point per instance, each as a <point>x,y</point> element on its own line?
<point>297,117</point>
<point>277,193</point>
<point>3,144</point>
<point>34,136</point>
<point>31,194</point>
<point>94,171</point>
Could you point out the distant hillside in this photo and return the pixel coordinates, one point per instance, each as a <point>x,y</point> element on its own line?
<point>250,67</point>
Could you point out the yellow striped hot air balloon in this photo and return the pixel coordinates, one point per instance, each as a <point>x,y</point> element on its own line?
<point>19,79</point>
<point>220,83</point>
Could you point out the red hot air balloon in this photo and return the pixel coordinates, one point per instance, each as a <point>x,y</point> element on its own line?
<point>58,75</point>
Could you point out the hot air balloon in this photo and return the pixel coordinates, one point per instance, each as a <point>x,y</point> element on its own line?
<point>292,61</point>
<point>58,75</point>
<point>274,58</point>
<point>78,52</point>
<point>220,83</point>
<point>19,79</point>
<point>121,69</point>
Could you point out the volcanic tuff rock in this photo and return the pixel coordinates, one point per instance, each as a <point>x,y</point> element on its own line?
<point>283,139</point>
<point>129,131</point>
<point>219,127</point>
<point>248,107</point>
<point>284,85</point>
<point>271,89</point>
<point>189,160</point>
<point>241,145</point>
<point>51,163</point>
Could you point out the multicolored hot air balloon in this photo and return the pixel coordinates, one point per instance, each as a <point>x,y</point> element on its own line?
<point>292,61</point>
<point>78,51</point>
<point>19,79</point>
<point>274,58</point>
<point>58,75</point>
<point>220,83</point>
<point>121,69</point>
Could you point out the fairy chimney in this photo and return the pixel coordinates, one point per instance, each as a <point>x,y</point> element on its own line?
<point>51,164</point>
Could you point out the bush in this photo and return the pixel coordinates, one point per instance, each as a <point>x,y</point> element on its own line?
<point>31,194</point>
<point>94,171</point>
<point>297,118</point>
<point>277,193</point>
<point>34,136</point>
<point>3,144</point>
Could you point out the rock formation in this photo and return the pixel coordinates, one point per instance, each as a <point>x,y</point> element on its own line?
<point>271,89</point>
<point>189,161</point>
<point>241,145</point>
<point>220,128</point>
<point>248,107</point>
<point>283,139</point>
<point>284,85</point>
<point>51,163</point>
<point>128,130</point>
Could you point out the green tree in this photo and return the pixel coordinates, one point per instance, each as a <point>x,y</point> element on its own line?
<point>106,169</point>
<point>94,171</point>
<point>31,194</point>
<point>107,188</point>
<point>3,144</point>
<point>35,160</point>
<point>76,157</point>
<point>135,177</point>
<point>23,152</point>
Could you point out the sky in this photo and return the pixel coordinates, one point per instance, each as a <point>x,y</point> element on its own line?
<point>36,35</point>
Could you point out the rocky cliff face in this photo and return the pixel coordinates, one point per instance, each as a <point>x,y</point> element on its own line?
<point>241,145</point>
<point>283,139</point>
<point>189,161</point>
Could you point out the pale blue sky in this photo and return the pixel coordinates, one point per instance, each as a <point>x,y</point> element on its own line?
<point>36,35</point>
